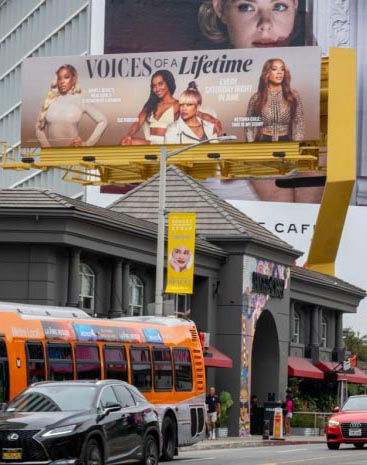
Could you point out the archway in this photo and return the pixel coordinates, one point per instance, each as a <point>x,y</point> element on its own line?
<point>265,358</point>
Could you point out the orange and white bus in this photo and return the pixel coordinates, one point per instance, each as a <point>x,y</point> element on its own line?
<point>161,356</point>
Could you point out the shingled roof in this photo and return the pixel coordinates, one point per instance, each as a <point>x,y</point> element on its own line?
<point>216,218</point>
<point>311,276</point>
<point>44,201</point>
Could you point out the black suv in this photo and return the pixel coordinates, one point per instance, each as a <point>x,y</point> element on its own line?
<point>79,422</point>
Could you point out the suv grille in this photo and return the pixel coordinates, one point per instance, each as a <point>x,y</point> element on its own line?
<point>345,430</point>
<point>32,450</point>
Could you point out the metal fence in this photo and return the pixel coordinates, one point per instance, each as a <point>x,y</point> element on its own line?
<point>318,422</point>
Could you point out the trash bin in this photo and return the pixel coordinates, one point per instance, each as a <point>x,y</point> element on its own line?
<point>269,408</point>
<point>266,429</point>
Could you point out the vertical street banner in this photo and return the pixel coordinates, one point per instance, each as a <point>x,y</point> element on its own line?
<point>181,253</point>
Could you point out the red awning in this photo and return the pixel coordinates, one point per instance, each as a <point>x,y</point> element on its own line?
<point>358,377</point>
<point>214,358</point>
<point>303,368</point>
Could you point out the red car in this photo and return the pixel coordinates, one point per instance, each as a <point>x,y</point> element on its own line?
<point>349,424</point>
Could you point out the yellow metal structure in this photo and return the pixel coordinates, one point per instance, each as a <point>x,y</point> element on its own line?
<point>341,161</point>
<point>129,164</point>
<point>123,165</point>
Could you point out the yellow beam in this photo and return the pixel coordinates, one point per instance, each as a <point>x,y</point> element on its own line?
<point>341,161</point>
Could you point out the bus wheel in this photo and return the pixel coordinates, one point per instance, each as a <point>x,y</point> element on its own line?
<point>169,439</point>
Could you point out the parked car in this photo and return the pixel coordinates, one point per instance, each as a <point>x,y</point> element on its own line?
<point>80,422</point>
<point>349,424</point>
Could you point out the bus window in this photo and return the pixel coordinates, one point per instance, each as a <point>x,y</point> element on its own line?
<point>60,362</point>
<point>115,362</point>
<point>4,373</point>
<point>141,368</point>
<point>35,362</point>
<point>88,364</point>
<point>183,369</point>
<point>162,365</point>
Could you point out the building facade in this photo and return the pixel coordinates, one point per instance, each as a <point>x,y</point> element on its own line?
<point>59,251</point>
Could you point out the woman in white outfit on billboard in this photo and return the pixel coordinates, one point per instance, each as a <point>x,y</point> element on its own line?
<point>62,111</point>
<point>190,127</point>
<point>159,111</point>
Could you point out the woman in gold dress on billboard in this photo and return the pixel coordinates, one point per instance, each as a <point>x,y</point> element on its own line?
<point>275,110</point>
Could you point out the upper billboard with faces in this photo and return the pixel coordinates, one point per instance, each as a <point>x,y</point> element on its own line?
<point>176,25</point>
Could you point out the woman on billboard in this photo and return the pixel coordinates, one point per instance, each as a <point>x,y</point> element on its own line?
<point>180,259</point>
<point>190,126</point>
<point>160,110</point>
<point>255,23</point>
<point>62,111</point>
<point>275,111</point>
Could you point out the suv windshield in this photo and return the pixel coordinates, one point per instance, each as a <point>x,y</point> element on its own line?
<point>355,403</point>
<point>55,398</point>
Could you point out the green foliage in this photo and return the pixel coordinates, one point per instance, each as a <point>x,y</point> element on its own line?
<point>226,403</point>
<point>306,421</point>
<point>356,343</point>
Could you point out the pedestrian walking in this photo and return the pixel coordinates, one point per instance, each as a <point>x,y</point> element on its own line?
<point>213,407</point>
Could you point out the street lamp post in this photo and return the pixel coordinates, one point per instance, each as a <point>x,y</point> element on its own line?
<point>161,214</point>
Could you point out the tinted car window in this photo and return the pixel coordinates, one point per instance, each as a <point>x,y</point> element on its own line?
<point>108,397</point>
<point>124,396</point>
<point>53,399</point>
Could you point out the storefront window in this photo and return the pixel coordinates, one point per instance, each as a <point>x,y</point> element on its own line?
<point>136,295</point>
<point>87,287</point>
<point>296,328</point>
<point>324,333</point>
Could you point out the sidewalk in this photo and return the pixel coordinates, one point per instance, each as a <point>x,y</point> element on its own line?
<point>254,441</point>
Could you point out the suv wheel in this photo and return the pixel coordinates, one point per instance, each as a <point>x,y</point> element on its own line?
<point>151,454</point>
<point>93,454</point>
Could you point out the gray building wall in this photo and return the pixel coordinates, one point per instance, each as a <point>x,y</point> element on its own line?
<point>31,28</point>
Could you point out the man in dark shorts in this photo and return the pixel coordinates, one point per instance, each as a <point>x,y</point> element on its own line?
<point>212,407</point>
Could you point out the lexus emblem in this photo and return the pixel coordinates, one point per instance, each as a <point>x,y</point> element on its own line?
<point>13,436</point>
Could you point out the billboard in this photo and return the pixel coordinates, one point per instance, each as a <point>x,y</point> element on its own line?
<point>170,97</point>
<point>165,25</point>
<point>176,25</point>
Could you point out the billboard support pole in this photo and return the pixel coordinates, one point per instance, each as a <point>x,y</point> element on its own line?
<point>164,156</point>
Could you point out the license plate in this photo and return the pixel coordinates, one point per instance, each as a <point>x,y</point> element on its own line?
<point>355,432</point>
<point>12,454</point>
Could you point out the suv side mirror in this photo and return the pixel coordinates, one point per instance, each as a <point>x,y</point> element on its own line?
<point>336,409</point>
<point>112,407</point>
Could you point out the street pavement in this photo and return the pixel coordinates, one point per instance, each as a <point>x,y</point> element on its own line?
<point>253,441</point>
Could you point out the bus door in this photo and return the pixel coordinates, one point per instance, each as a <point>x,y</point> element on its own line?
<point>4,373</point>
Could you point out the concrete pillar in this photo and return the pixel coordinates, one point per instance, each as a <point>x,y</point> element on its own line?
<point>315,335</point>
<point>73,278</point>
<point>339,349</point>
<point>125,287</point>
<point>291,322</point>
<point>116,290</point>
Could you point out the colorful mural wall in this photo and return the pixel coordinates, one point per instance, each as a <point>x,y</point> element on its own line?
<point>253,303</point>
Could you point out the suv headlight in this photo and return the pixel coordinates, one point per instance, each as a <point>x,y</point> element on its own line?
<point>333,423</point>
<point>59,431</point>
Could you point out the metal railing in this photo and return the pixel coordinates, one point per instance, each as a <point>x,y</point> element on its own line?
<point>317,425</point>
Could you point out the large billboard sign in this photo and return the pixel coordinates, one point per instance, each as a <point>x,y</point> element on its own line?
<point>168,97</point>
<point>173,25</point>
